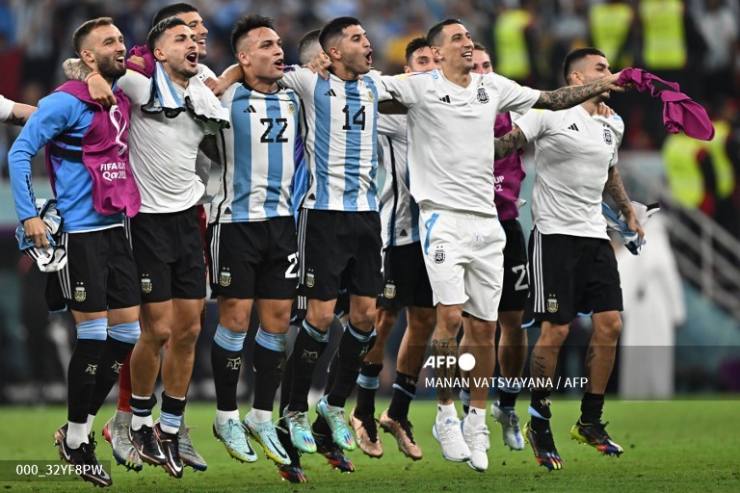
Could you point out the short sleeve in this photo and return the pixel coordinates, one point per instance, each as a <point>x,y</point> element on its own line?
<point>137,87</point>
<point>512,96</point>
<point>300,79</point>
<point>405,88</point>
<point>533,124</point>
<point>205,73</point>
<point>391,125</point>
<point>617,124</point>
<point>376,77</point>
<point>6,108</point>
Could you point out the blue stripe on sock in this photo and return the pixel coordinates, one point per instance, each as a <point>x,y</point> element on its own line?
<point>533,412</point>
<point>403,391</point>
<point>229,340</point>
<point>171,420</point>
<point>315,333</point>
<point>368,382</point>
<point>273,342</point>
<point>358,334</point>
<point>128,332</point>
<point>96,330</point>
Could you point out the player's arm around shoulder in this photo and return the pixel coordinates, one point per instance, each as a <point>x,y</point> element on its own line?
<point>526,128</point>
<point>14,113</point>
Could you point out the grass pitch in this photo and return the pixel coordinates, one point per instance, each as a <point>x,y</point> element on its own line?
<point>682,445</point>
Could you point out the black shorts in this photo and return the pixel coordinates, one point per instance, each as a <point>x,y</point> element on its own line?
<point>516,279</point>
<point>168,249</point>
<point>571,274</point>
<point>405,278</point>
<point>336,246</point>
<point>100,273</point>
<point>254,259</point>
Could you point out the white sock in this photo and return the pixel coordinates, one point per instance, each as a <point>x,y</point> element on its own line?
<point>446,410</point>
<point>223,416</point>
<point>76,434</point>
<point>90,422</point>
<point>259,415</point>
<point>138,421</point>
<point>476,416</point>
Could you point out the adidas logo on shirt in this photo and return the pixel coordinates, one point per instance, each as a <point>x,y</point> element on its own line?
<point>445,99</point>
<point>573,127</point>
<point>330,92</point>
<point>250,109</point>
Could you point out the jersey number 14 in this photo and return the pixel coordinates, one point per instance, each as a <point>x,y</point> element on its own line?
<point>357,119</point>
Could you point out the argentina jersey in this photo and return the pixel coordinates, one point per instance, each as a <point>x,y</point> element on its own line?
<point>260,155</point>
<point>399,214</point>
<point>341,139</point>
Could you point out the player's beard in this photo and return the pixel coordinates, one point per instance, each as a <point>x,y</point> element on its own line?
<point>184,70</point>
<point>109,68</point>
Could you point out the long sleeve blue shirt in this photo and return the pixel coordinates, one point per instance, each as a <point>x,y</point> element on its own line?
<point>63,120</point>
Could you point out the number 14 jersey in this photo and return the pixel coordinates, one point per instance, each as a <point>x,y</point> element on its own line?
<point>341,144</point>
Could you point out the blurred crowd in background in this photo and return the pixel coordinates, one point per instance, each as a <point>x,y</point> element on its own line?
<point>693,42</point>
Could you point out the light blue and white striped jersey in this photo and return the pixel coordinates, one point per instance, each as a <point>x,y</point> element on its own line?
<point>260,160</point>
<point>399,214</point>
<point>341,143</point>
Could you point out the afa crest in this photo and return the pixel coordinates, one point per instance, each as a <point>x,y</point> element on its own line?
<point>224,278</point>
<point>234,363</point>
<point>552,304</point>
<point>389,291</point>
<point>439,255</point>
<point>482,95</point>
<point>310,280</point>
<point>607,136</point>
<point>146,285</point>
<point>80,294</point>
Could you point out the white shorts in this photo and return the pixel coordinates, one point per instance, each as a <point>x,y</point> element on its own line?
<point>464,256</point>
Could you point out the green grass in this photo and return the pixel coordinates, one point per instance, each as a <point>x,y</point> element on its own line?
<point>687,445</point>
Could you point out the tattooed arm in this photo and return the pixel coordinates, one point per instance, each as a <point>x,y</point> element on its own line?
<point>511,142</point>
<point>615,188</point>
<point>569,96</point>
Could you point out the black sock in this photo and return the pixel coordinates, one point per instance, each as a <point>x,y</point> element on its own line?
<point>227,365</point>
<point>541,406</point>
<point>466,401</point>
<point>591,407</point>
<point>286,384</point>
<point>142,407</point>
<point>269,355</point>
<point>172,411</point>
<point>111,362</point>
<point>367,384</point>
<point>507,399</point>
<point>352,347</point>
<point>83,369</point>
<point>308,347</point>
<point>404,391</point>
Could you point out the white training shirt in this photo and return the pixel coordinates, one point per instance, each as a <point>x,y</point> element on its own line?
<point>6,108</point>
<point>341,139</point>
<point>260,153</point>
<point>573,152</point>
<point>163,151</point>
<point>451,136</point>
<point>399,214</point>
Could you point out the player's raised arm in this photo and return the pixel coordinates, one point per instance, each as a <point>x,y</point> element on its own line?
<point>569,96</point>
